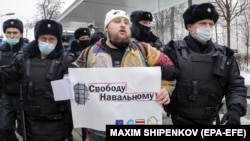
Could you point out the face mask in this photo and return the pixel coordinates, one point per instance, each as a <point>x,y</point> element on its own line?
<point>66,46</point>
<point>144,31</point>
<point>46,48</point>
<point>84,43</point>
<point>12,41</point>
<point>203,34</point>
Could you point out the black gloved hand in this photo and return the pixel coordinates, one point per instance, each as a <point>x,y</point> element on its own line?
<point>232,117</point>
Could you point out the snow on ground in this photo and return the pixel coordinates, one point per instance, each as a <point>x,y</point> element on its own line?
<point>243,120</point>
<point>246,119</point>
<point>246,75</point>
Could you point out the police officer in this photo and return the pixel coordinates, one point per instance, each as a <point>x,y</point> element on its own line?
<point>65,42</point>
<point>82,40</point>
<point>209,72</point>
<point>42,61</point>
<point>141,28</point>
<point>10,104</point>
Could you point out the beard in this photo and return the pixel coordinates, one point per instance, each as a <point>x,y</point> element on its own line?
<point>119,42</point>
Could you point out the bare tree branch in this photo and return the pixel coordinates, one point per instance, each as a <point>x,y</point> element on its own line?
<point>229,9</point>
<point>49,9</point>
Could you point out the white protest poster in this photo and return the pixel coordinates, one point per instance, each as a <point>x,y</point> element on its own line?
<point>115,96</point>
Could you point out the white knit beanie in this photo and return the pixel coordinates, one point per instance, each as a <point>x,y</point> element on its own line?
<point>114,14</point>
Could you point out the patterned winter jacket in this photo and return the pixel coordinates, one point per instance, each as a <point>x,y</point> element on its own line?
<point>136,55</point>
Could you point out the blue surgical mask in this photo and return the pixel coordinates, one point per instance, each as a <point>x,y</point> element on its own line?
<point>12,41</point>
<point>45,48</point>
<point>203,34</point>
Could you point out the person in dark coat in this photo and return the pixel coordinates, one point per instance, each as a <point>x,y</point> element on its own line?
<point>10,100</point>
<point>82,37</point>
<point>96,37</point>
<point>65,42</point>
<point>42,61</point>
<point>208,73</point>
<point>141,28</point>
<point>82,40</point>
<point>26,40</point>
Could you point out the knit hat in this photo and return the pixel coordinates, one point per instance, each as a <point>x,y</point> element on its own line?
<point>16,23</point>
<point>81,32</point>
<point>139,15</point>
<point>200,12</point>
<point>112,14</point>
<point>47,26</point>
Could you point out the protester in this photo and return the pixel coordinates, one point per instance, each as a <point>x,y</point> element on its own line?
<point>10,100</point>
<point>141,28</point>
<point>125,53</point>
<point>208,73</point>
<point>42,61</point>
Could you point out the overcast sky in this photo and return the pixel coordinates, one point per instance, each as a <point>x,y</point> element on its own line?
<point>24,10</point>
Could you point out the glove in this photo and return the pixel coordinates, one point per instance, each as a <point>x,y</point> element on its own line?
<point>232,117</point>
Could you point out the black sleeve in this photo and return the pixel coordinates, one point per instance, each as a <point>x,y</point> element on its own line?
<point>169,73</point>
<point>10,73</point>
<point>169,50</point>
<point>236,90</point>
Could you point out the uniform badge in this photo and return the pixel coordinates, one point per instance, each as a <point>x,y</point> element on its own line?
<point>149,16</point>
<point>209,10</point>
<point>49,25</point>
